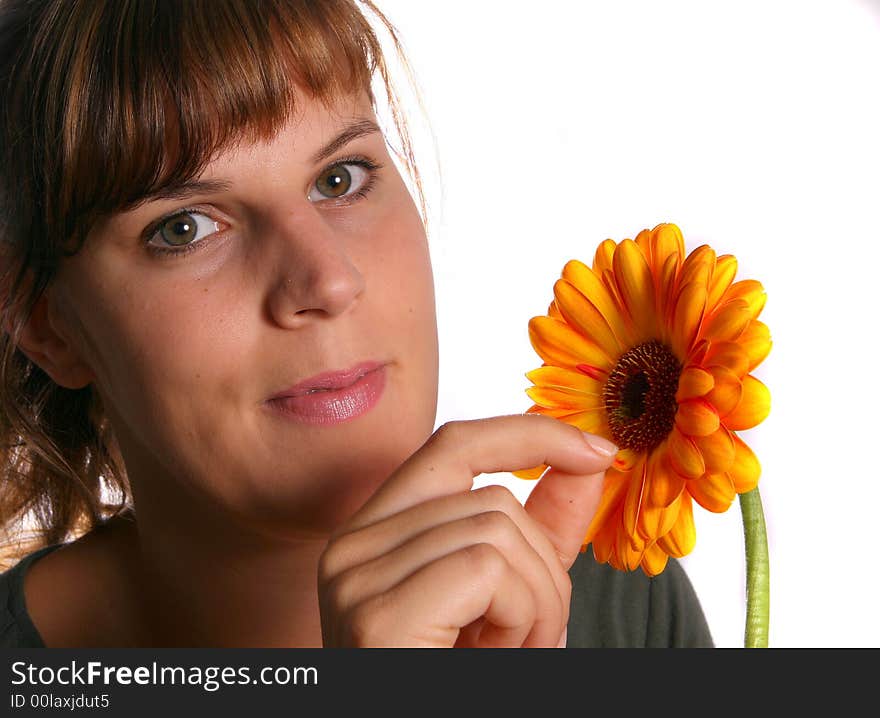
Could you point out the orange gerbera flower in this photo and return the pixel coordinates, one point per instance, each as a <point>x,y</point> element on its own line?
<point>654,350</point>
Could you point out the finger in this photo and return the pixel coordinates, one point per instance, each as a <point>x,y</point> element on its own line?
<point>469,635</point>
<point>493,528</point>
<point>354,548</point>
<point>358,546</point>
<point>564,505</point>
<point>460,451</point>
<point>480,584</point>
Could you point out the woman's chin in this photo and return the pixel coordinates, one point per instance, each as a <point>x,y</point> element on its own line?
<point>312,511</point>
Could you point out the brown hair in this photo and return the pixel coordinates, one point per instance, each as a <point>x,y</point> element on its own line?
<point>106,101</point>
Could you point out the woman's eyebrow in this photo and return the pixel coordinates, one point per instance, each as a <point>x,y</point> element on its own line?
<point>179,190</point>
<point>348,134</point>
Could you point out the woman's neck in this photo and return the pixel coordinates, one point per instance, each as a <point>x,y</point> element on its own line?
<point>223,586</point>
<point>125,585</point>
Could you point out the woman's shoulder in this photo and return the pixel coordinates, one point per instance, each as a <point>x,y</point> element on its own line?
<point>73,594</point>
<point>16,627</point>
<point>611,608</point>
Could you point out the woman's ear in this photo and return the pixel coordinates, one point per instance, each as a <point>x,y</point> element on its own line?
<point>45,346</point>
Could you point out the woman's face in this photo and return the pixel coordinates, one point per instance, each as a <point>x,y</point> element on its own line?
<point>293,258</point>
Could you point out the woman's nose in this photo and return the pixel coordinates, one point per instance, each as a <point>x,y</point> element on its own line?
<point>316,278</point>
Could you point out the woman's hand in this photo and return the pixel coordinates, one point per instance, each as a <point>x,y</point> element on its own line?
<point>428,561</point>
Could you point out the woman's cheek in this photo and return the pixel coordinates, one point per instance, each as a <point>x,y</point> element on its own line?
<point>166,342</point>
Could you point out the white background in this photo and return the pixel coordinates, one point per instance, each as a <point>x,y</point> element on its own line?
<point>751,125</point>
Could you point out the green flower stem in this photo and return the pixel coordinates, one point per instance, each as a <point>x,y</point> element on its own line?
<point>757,570</point>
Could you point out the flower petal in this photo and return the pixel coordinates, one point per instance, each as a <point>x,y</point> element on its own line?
<point>562,377</point>
<point>697,354</point>
<point>729,322</point>
<point>698,267</point>
<point>687,317</point>
<point>654,560</point>
<point>626,459</point>
<point>753,407</point>
<point>547,411</point>
<point>594,372</point>
<point>634,502</point>
<point>664,484</point>
<point>667,291</point>
<point>582,314</point>
<point>553,311</point>
<point>729,355</point>
<point>756,343</point>
<point>636,286</point>
<point>727,391</point>
<point>635,332</point>
<point>590,284</point>
<point>714,492</point>
<point>603,544</point>
<point>682,538</point>
<point>684,456</point>
<point>530,474</point>
<point>644,241</point>
<point>694,382</point>
<point>557,343</point>
<point>722,277</point>
<point>751,291</point>
<point>603,258</point>
<point>556,397</point>
<point>629,555</point>
<point>658,521</point>
<point>668,241</point>
<point>591,420</point>
<point>718,450</point>
<point>614,487</point>
<point>659,508</point>
<point>746,469</point>
<point>696,417</point>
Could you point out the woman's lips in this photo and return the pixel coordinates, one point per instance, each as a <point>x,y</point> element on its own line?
<point>333,397</point>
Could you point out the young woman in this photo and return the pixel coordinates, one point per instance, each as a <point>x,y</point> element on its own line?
<point>219,360</point>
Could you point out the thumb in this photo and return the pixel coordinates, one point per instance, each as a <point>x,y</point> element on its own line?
<point>564,503</point>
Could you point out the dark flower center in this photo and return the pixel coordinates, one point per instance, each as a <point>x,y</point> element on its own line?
<point>640,396</point>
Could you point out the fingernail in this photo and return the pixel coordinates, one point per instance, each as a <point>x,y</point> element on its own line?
<point>601,445</point>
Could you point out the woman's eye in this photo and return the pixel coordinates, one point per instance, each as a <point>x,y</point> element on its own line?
<point>186,228</point>
<point>338,181</point>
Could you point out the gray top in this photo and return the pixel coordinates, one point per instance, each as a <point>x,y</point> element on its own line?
<point>16,628</point>
<point>620,609</point>
<point>609,608</point>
